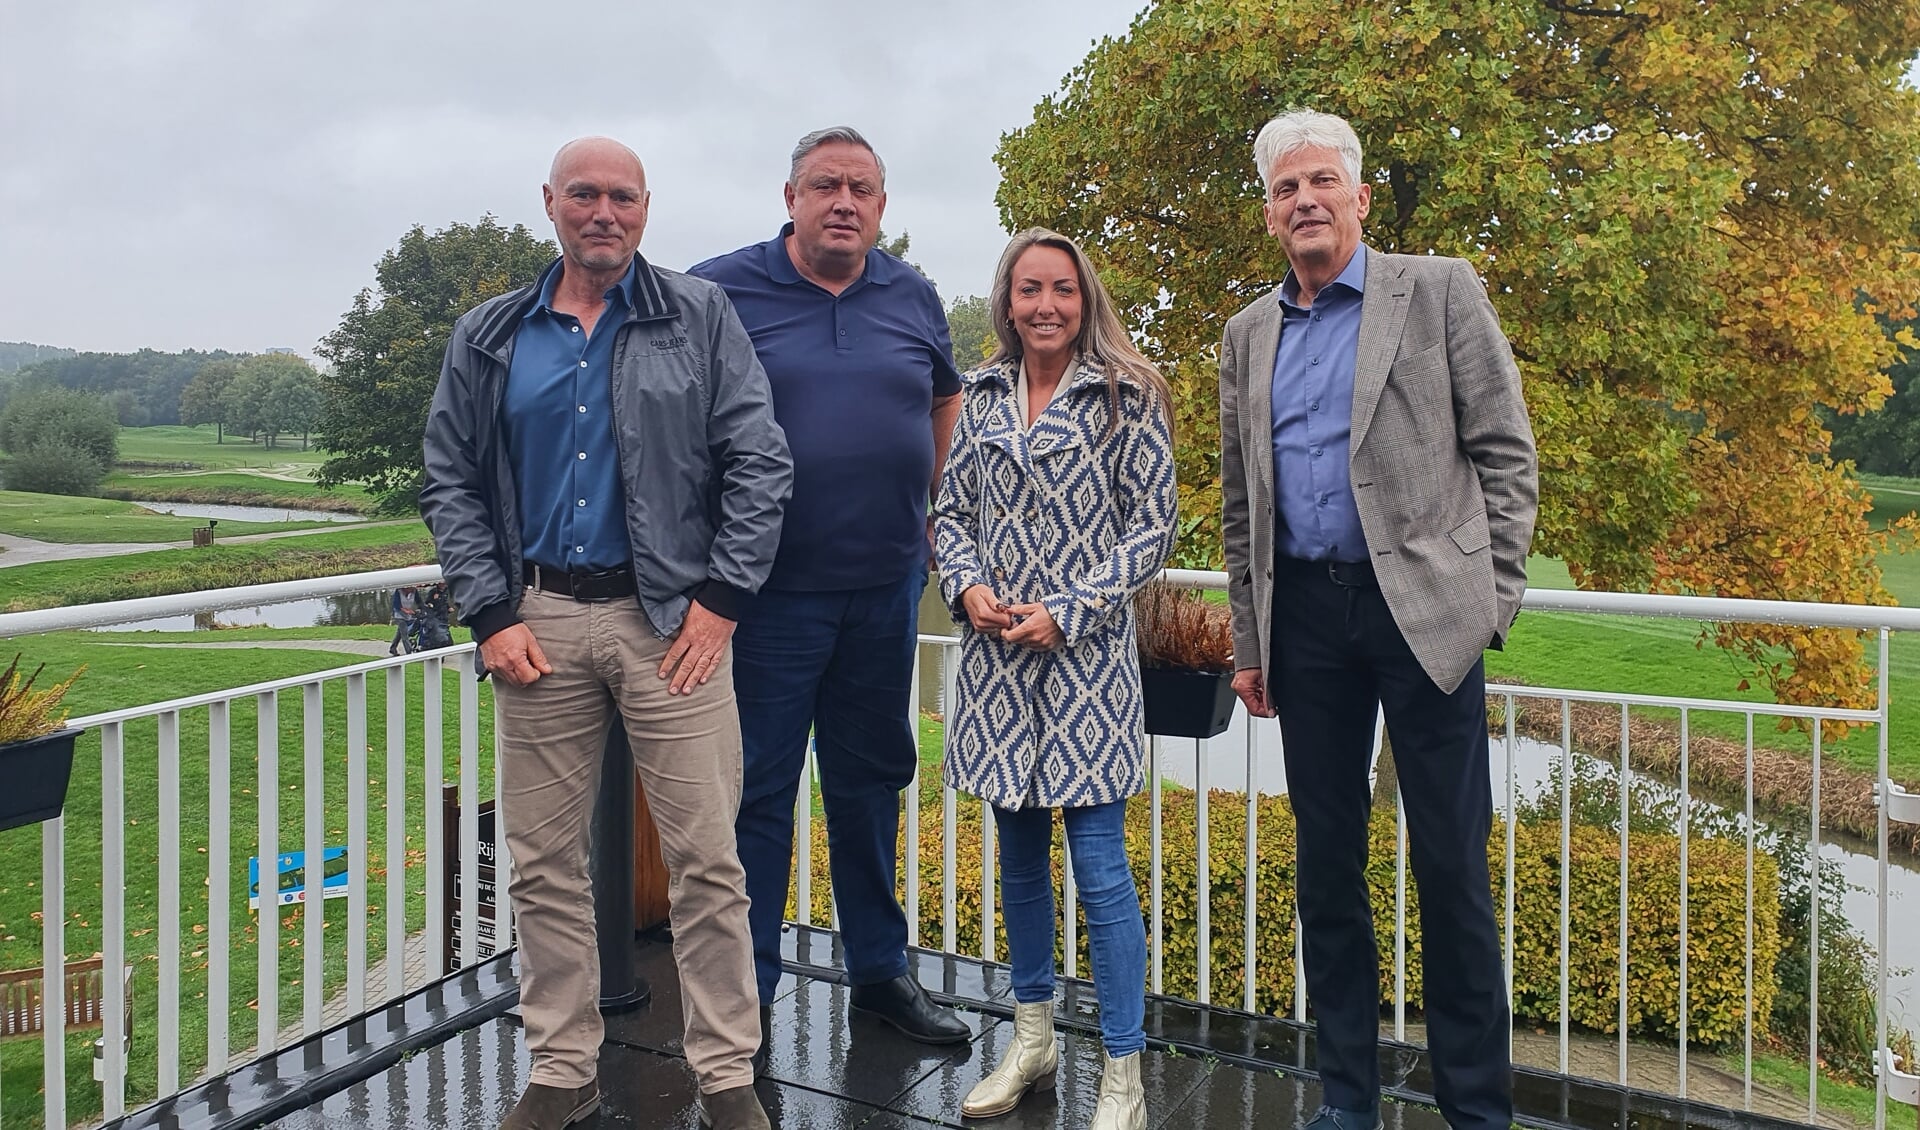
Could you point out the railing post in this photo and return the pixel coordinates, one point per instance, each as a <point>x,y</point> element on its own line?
<point>621,987</point>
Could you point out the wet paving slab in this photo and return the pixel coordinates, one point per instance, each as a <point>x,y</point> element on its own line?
<point>830,1068</point>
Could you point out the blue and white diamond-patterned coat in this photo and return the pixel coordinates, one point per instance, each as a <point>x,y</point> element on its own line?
<point>1069,516</point>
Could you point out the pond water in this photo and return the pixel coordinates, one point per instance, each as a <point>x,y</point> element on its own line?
<point>246,513</point>
<point>348,608</point>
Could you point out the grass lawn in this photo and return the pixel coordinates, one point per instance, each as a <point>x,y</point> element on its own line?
<point>1659,656</point>
<point>181,444</point>
<point>119,676</point>
<point>66,519</point>
<point>55,584</point>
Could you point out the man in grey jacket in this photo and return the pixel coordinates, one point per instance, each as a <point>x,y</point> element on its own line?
<point>605,482</point>
<point>1379,481</point>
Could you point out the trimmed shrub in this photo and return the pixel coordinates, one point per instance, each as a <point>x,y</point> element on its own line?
<point>1716,924</point>
<point>52,468</point>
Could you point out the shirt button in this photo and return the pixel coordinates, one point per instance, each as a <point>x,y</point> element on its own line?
<point>582,502</point>
<point>1315,361</point>
<point>579,549</point>
<point>576,329</point>
<point>583,408</point>
<point>583,364</point>
<point>583,455</point>
<point>1316,317</point>
<point>1314,407</point>
<point>1316,453</point>
<point>843,333</point>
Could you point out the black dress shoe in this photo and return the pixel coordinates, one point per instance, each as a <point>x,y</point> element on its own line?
<point>902,1003</point>
<point>760,1055</point>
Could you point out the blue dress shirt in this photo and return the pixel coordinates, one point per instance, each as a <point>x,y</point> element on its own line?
<point>1313,418</point>
<point>559,426</point>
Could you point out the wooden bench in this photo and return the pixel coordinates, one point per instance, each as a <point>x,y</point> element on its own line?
<point>21,1010</point>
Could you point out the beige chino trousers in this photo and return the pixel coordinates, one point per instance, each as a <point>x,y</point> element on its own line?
<point>686,749</point>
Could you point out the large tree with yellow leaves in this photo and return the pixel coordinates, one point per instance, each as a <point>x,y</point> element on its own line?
<point>1688,214</point>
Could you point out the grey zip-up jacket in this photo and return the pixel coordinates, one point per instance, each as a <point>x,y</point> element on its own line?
<point>704,467</point>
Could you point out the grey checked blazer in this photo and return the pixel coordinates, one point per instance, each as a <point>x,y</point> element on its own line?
<point>1442,463</point>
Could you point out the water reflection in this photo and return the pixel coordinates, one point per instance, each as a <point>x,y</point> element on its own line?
<point>327,611</point>
<point>227,513</point>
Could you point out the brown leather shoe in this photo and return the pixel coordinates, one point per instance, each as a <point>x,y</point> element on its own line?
<point>552,1108</point>
<point>736,1108</point>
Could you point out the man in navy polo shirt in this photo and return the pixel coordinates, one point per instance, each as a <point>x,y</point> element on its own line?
<point>855,344</point>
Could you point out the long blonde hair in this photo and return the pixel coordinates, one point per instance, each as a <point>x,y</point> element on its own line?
<point>1102,339</point>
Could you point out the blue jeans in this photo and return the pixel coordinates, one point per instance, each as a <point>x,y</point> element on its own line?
<point>839,664</point>
<point>1097,846</point>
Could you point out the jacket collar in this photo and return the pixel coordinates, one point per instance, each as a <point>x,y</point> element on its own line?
<point>1004,373</point>
<point>648,302</point>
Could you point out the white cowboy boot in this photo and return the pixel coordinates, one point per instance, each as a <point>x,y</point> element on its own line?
<point>1123,1105</point>
<point>1030,1062</point>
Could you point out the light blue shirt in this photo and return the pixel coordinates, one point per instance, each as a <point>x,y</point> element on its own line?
<point>559,424</point>
<point>1313,418</point>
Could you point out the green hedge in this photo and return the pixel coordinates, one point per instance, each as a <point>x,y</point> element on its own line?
<point>1717,918</point>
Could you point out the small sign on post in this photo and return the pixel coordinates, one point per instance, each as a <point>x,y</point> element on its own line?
<point>486,897</point>
<point>334,865</point>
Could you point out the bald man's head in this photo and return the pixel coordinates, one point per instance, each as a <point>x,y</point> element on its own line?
<point>596,196</point>
<point>582,147</point>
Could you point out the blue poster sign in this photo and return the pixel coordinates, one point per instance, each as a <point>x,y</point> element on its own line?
<point>293,876</point>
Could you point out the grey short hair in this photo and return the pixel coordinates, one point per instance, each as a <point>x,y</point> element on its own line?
<point>1300,129</point>
<point>844,134</point>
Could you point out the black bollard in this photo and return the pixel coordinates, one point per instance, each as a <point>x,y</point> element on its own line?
<point>621,988</point>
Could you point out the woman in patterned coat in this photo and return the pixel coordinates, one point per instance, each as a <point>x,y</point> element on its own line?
<point>1056,505</point>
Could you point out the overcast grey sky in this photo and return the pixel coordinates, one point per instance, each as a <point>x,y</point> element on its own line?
<point>187,174</point>
<point>181,174</point>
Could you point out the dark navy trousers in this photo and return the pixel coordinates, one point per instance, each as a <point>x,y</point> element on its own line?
<point>1338,659</point>
<point>838,664</point>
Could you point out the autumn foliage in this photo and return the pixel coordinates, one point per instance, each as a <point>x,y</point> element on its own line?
<point>1688,215</point>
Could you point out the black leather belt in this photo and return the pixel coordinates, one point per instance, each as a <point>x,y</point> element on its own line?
<point>1350,574</point>
<point>609,584</point>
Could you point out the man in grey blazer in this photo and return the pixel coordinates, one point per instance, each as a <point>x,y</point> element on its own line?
<point>1379,482</point>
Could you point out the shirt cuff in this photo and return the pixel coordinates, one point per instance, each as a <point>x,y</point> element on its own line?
<point>723,600</point>
<point>493,618</point>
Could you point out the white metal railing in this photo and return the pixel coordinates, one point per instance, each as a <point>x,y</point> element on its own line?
<point>326,966</point>
<point>334,971</point>
<point>1261,745</point>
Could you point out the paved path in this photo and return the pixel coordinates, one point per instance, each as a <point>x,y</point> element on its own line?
<point>27,551</point>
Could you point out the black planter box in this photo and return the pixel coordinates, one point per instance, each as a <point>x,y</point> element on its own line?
<point>35,773</point>
<point>1186,704</point>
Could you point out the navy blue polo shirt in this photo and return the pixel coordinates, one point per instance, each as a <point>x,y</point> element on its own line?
<point>559,425</point>
<point>854,378</point>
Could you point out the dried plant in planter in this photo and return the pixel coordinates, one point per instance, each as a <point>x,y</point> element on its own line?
<point>26,713</point>
<point>1180,629</point>
<point>36,748</point>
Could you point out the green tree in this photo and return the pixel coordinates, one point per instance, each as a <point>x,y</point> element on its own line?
<point>971,327</point>
<point>148,383</point>
<point>298,403</point>
<point>265,395</point>
<point>1675,207</point>
<point>387,349</point>
<point>62,417</point>
<point>1885,442</point>
<point>203,400</point>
